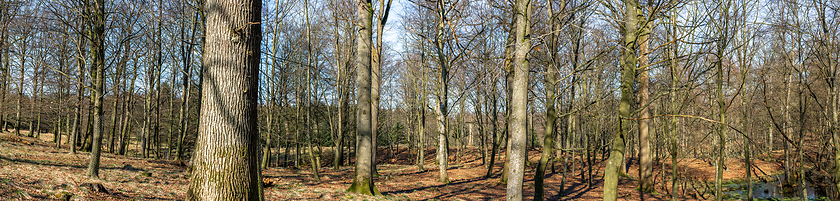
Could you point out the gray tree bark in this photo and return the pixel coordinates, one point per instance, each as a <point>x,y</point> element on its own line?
<point>226,161</point>
<point>363,180</point>
<point>519,102</point>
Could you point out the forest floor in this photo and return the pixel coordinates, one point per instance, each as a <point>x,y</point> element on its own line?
<point>33,169</point>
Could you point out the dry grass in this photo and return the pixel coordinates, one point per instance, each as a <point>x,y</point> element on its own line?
<point>32,169</point>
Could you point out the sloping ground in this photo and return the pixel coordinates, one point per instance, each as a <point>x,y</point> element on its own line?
<point>32,169</point>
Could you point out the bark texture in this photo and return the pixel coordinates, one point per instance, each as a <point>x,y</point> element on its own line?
<point>363,180</point>
<point>519,102</point>
<point>226,161</point>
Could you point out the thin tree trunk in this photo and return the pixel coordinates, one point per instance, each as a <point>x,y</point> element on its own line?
<point>493,130</point>
<point>376,66</point>
<point>112,131</point>
<point>128,106</point>
<point>309,89</point>
<point>6,75</point>
<point>80,64</point>
<point>721,101</point>
<point>184,115</point>
<point>672,121</point>
<point>550,118</point>
<point>97,37</point>
<point>19,104</point>
<point>269,128</point>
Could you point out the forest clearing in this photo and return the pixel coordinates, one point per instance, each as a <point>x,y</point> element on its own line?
<point>32,169</point>
<point>207,100</point>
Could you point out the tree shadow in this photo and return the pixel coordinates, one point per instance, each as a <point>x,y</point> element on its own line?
<point>51,163</point>
<point>458,182</point>
<point>573,189</point>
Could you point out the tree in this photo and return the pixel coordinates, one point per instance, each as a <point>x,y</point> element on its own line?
<point>226,161</point>
<point>645,159</point>
<point>376,77</point>
<point>363,180</point>
<point>519,101</point>
<point>96,11</point>
<point>309,94</point>
<point>628,77</point>
<point>550,113</point>
<point>722,28</point>
<point>443,90</point>
<point>80,68</point>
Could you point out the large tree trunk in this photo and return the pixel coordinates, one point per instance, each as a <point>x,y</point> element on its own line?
<point>363,180</point>
<point>443,93</point>
<point>645,159</point>
<point>519,102</point>
<point>97,54</point>
<point>226,161</point>
<point>628,76</point>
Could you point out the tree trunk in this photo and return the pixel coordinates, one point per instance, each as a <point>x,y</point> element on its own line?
<point>97,53</point>
<point>226,163</point>
<point>443,93</point>
<point>309,94</point>
<point>421,130</point>
<point>673,106</point>
<point>6,75</point>
<point>128,106</point>
<point>19,104</point>
<point>550,115</point>
<point>80,64</point>
<point>519,102</point>
<point>184,115</point>
<point>376,66</point>
<point>628,75</point>
<point>645,159</point>
<point>363,180</point>
<point>267,147</point>
<point>493,132</point>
